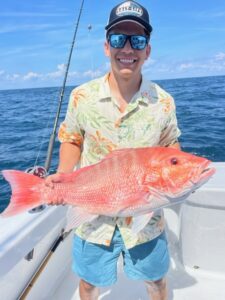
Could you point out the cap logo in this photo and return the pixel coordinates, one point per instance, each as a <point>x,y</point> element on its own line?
<point>129,8</point>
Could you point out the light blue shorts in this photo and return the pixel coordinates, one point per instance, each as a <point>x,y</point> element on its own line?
<point>97,264</point>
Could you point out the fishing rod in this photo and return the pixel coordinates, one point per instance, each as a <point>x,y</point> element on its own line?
<point>53,135</point>
<point>41,172</point>
<point>24,294</point>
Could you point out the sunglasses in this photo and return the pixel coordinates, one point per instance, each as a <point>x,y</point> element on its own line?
<point>118,40</point>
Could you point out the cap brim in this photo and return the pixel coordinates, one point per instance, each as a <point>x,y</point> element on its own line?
<point>144,25</point>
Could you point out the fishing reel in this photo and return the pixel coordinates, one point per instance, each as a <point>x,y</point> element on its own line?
<point>42,173</point>
<point>37,171</point>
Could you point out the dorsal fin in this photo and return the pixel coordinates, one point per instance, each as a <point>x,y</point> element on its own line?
<point>121,152</point>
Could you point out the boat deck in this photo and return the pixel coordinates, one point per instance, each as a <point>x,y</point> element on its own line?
<point>183,285</point>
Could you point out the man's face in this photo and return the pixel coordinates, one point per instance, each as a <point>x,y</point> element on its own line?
<point>127,62</point>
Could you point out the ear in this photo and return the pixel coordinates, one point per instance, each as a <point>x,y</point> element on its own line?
<point>107,49</point>
<point>148,51</point>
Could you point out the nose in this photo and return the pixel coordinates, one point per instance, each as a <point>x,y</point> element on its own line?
<point>127,47</point>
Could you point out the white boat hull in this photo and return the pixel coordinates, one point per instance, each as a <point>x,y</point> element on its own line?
<point>196,235</point>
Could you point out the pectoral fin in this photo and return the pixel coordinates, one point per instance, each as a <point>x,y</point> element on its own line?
<point>140,222</point>
<point>76,216</point>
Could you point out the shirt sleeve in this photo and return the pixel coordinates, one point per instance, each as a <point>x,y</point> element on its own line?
<point>70,130</point>
<point>170,132</point>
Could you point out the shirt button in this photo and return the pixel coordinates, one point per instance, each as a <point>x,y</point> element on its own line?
<point>117,123</point>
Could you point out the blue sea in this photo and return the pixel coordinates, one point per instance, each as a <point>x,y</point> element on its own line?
<point>27,118</point>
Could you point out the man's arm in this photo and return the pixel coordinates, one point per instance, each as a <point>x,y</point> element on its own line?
<point>175,145</point>
<point>69,156</point>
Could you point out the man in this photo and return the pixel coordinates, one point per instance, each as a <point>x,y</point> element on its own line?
<point>119,110</point>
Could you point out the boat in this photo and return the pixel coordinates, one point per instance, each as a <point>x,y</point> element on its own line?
<point>35,257</point>
<point>36,253</point>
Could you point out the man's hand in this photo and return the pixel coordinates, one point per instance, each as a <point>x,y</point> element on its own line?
<point>69,157</point>
<point>51,179</point>
<point>49,182</point>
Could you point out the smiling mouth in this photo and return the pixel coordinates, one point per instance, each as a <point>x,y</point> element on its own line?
<point>127,61</point>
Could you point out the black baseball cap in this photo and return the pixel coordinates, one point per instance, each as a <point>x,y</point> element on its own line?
<point>129,11</point>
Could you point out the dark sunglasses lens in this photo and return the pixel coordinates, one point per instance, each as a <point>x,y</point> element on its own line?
<point>138,42</point>
<point>117,40</point>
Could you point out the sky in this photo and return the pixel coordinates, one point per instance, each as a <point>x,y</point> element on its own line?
<point>188,40</point>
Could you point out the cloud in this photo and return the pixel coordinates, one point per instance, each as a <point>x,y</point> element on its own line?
<point>59,73</point>
<point>185,66</point>
<point>210,66</point>
<point>220,56</point>
<point>160,68</point>
<point>163,68</point>
<point>14,76</point>
<point>2,72</point>
<point>150,62</point>
<point>31,76</point>
<point>74,74</point>
<point>92,74</point>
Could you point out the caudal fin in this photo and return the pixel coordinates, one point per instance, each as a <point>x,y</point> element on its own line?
<point>25,192</point>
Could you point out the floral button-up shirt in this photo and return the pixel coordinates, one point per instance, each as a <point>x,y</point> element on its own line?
<point>95,123</point>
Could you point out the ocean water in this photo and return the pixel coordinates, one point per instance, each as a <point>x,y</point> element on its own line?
<point>27,118</point>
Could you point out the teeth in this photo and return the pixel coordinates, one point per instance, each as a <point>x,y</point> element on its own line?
<point>126,61</point>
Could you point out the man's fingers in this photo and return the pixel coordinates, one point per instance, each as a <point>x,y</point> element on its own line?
<point>51,179</point>
<point>49,183</point>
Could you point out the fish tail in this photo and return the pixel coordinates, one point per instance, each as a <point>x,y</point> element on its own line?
<point>24,194</point>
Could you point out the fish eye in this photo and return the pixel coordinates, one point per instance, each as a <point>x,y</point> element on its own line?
<point>174,161</point>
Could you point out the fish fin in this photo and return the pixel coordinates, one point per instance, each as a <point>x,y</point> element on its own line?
<point>68,177</point>
<point>77,216</point>
<point>140,222</point>
<point>117,152</point>
<point>24,196</point>
<point>71,177</point>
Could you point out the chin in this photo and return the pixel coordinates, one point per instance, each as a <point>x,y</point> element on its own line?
<point>126,73</point>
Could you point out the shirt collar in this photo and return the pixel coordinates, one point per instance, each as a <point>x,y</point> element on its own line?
<point>104,87</point>
<point>143,96</point>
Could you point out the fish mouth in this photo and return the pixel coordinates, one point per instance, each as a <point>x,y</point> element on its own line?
<point>197,177</point>
<point>203,173</point>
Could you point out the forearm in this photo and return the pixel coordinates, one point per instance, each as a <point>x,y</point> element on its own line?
<point>69,156</point>
<point>176,146</point>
